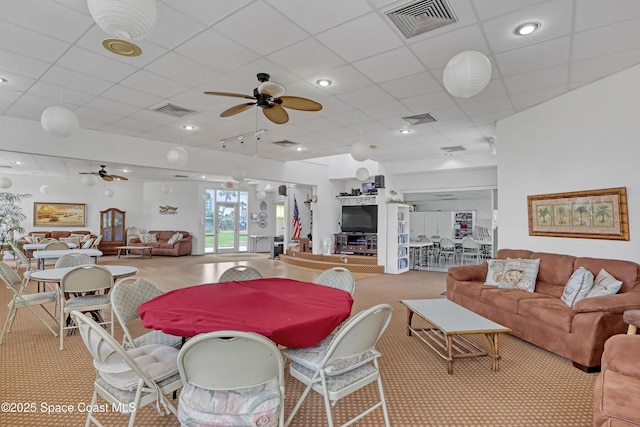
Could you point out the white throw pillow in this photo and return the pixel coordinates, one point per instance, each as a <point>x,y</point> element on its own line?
<point>29,239</point>
<point>604,284</point>
<point>174,238</point>
<point>520,274</point>
<point>577,287</point>
<point>494,274</point>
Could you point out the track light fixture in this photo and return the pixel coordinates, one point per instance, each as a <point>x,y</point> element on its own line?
<point>242,137</point>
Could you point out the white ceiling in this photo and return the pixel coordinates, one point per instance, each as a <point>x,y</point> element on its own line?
<point>51,53</point>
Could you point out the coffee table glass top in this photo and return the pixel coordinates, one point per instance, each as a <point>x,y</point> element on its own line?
<point>451,318</point>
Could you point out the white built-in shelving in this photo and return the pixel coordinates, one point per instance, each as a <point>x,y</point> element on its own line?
<point>397,238</point>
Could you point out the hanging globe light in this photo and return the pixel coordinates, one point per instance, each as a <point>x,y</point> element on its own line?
<point>362,174</point>
<point>467,74</point>
<point>89,180</point>
<point>361,151</point>
<point>238,174</point>
<point>44,189</point>
<point>177,156</point>
<point>261,195</point>
<point>59,121</point>
<point>109,192</point>
<point>5,182</point>
<point>124,19</point>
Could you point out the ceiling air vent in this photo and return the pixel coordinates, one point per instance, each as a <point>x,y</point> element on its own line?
<point>181,176</point>
<point>174,110</point>
<point>6,166</point>
<point>285,143</point>
<point>421,16</point>
<point>453,148</point>
<point>419,118</point>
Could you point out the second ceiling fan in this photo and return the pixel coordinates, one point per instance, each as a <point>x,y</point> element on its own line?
<point>269,96</point>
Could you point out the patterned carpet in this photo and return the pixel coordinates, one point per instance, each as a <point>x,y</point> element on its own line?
<point>532,388</point>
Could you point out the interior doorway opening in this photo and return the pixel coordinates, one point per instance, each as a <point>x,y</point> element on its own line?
<point>225,214</point>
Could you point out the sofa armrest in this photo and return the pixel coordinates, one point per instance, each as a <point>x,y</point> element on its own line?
<point>476,273</point>
<point>135,240</point>
<point>617,303</point>
<point>184,245</point>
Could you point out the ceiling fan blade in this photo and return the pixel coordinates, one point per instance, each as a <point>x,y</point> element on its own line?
<point>276,114</point>
<point>235,95</point>
<point>237,109</point>
<point>88,173</point>
<point>298,103</point>
<point>119,178</point>
<point>107,177</point>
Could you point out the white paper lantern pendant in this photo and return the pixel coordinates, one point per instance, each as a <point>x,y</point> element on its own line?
<point>124,19</point>
<point>177,156</point>
<point>59,121</point>
<point>362,174</point>
<point>467,74</point>
<point>5,182</point>
<point>361,151</point>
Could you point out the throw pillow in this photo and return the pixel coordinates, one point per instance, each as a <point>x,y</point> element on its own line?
<point>152,238</point>
<point>143,237</point>
<point>174,238</point>
<point>520,274</point>
<point>577,287</point>
<point>494,274</point>
<point>604,284</point>
<point>29,239</point>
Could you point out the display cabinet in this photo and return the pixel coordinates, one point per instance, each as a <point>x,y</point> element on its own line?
<point>112,228</point>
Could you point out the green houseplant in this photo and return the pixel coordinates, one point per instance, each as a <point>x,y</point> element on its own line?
<point>11,214</point>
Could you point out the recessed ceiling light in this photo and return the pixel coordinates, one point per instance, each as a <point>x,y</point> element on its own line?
<point>121,47</point>
<point>204,176</point>
<point>3,80</point>
<point>527,28</point>
<point>324,82</point>
<point>18,162</point>
<point>448,154</point>
<point>188,127</point>
<point>299,148</point>
<point>405,131</point>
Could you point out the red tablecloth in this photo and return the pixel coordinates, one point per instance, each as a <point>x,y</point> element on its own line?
<point>289,312</point>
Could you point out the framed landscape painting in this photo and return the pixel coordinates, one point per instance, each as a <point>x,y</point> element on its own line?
<point>60,214</point>
<point>592,214</point>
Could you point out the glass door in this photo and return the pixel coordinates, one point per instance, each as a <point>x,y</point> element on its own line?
<point>226,238</point>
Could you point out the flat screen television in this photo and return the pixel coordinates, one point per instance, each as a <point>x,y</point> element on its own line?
<point>368,186</point>
<point>360,219</point>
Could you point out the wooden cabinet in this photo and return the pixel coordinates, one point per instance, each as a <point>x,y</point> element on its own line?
<point>356,243</point>
<point>112,228</point>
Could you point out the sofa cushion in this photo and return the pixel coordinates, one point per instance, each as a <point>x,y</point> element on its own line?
<point>520,274</point>
<point>621,354</point>
<point>620,397</point>
<point>604,284</point>
<point>550,311</point>
<point>507,299</point>
<point>578,286</point>
<point>148,238</point>
<point>495,271</point>
<point>469,289</point>
<point>555,268</point>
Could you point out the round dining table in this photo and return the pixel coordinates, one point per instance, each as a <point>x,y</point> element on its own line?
<point>289,312</point>
<point>55,275</point>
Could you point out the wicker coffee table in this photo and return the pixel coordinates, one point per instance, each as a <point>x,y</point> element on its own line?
<point>448,322</point>
<point>125,251</point>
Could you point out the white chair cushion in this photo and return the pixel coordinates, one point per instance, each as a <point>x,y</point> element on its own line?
<point>155,360</point>
<point>311,357</point>
<point>339,382</point>
<point>253,406</point>
<point>85,300</point>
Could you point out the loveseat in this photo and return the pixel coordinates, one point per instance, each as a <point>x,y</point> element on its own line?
<point>55,234</point>
<point>161,242</point>
<point>541,317</point>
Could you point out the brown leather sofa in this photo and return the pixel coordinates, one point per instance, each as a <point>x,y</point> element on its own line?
<point>162,247</point>
<point>616,398</point>
<point>541,317</point>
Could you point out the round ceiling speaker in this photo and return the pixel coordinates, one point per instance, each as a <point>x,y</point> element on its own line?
<point>127,20</point>
<point>109,192</point>
<point>5,182</point>
<point>59,121</point>
<point>361,151</point>
<point>238,174</point>
<point>362,174</point>
<point>44,189</point>
<point>467,74</point>
<point>89,180</point>
<point>177,156</point>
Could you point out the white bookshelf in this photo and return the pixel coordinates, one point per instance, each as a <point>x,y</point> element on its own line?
<point>397,238</point>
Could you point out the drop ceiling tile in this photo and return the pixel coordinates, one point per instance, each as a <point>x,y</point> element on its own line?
<point>95,65</point>
<point>49,18</point>
<point>153,84</point>
<point>206,11</point>
<point>390,65</point>
<point>30,43</point>
<point>426,103</point>
<point>537,80</point>
<point>607,40</point>
<point>15,81</point>
<point>591,13</point>
<point>363,37</point>
<point>306,58</point>
<point>109,106</point>
<point>278,31</point>
<point>490,119</point>
<point>492,8</point>
<point>216,51</point>
<point>172,27</point>
<point>349,118</point>
<point>319,16</point>
<point>97,116</point>
<point>554,17</point>
<point>78,81</point>
<point>534,57</point>
<point>131,96</point>
<point>364,97</point>
<point>436,52</point>
<point>411,86</point>
<point>487,106</point>
<point>345,79</point>
<point>387,110</point>
<point>180,69</point>
<point>53,92</point>
<point>596,68</point>
<point>138,125</point>
<point>20,64</point>
<point>534,97</point>
<point>8,95</point>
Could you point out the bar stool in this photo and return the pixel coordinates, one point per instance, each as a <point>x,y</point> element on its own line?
<point>632,318</point>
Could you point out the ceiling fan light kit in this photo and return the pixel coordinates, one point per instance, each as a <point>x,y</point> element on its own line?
<point>124,19</point>
<point>467,74</point>
<point>269,96</point>
<point>102,173</point>
<point>59,121</point>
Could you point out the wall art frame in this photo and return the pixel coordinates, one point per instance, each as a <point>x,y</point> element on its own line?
<point>59,214</point>
<point>590,214</point>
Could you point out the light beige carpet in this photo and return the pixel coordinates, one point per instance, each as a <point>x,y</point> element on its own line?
<point>532,388</point>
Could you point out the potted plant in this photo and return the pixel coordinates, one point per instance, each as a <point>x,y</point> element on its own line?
<point>11,214</point>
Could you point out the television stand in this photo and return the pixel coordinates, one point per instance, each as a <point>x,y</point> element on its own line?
<point>356,243</point>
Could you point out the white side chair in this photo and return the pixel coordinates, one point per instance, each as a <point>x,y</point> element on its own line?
<point>217,365</point>
<point>240,272</point>
<point>126,296</point>
<point>85,286</point>
<point>338,277</point>
<point>73,260</point>
<point>22,298</point>
<point>343,363</point>
<point>128,378</point>
<point>470,250</point>
<point>447,250</point>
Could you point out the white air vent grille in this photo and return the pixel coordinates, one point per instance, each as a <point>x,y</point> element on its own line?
<point>174,110</point>
<point>453,148</point>
<point>419,118</point>
<point>421,16</point>
<point>285,143</point>
<point>181,176</point>
<point>6,166</point>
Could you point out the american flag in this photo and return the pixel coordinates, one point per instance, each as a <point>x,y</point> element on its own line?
<point>297,224</point>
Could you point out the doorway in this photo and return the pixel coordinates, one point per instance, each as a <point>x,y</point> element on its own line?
<point>226,221</point>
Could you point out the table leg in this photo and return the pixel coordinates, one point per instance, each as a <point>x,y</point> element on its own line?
<point>495,353</point>
<point>409,317</point>
<point>449,354</point>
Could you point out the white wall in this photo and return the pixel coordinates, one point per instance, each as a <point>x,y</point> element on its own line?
<point>584,140</point>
